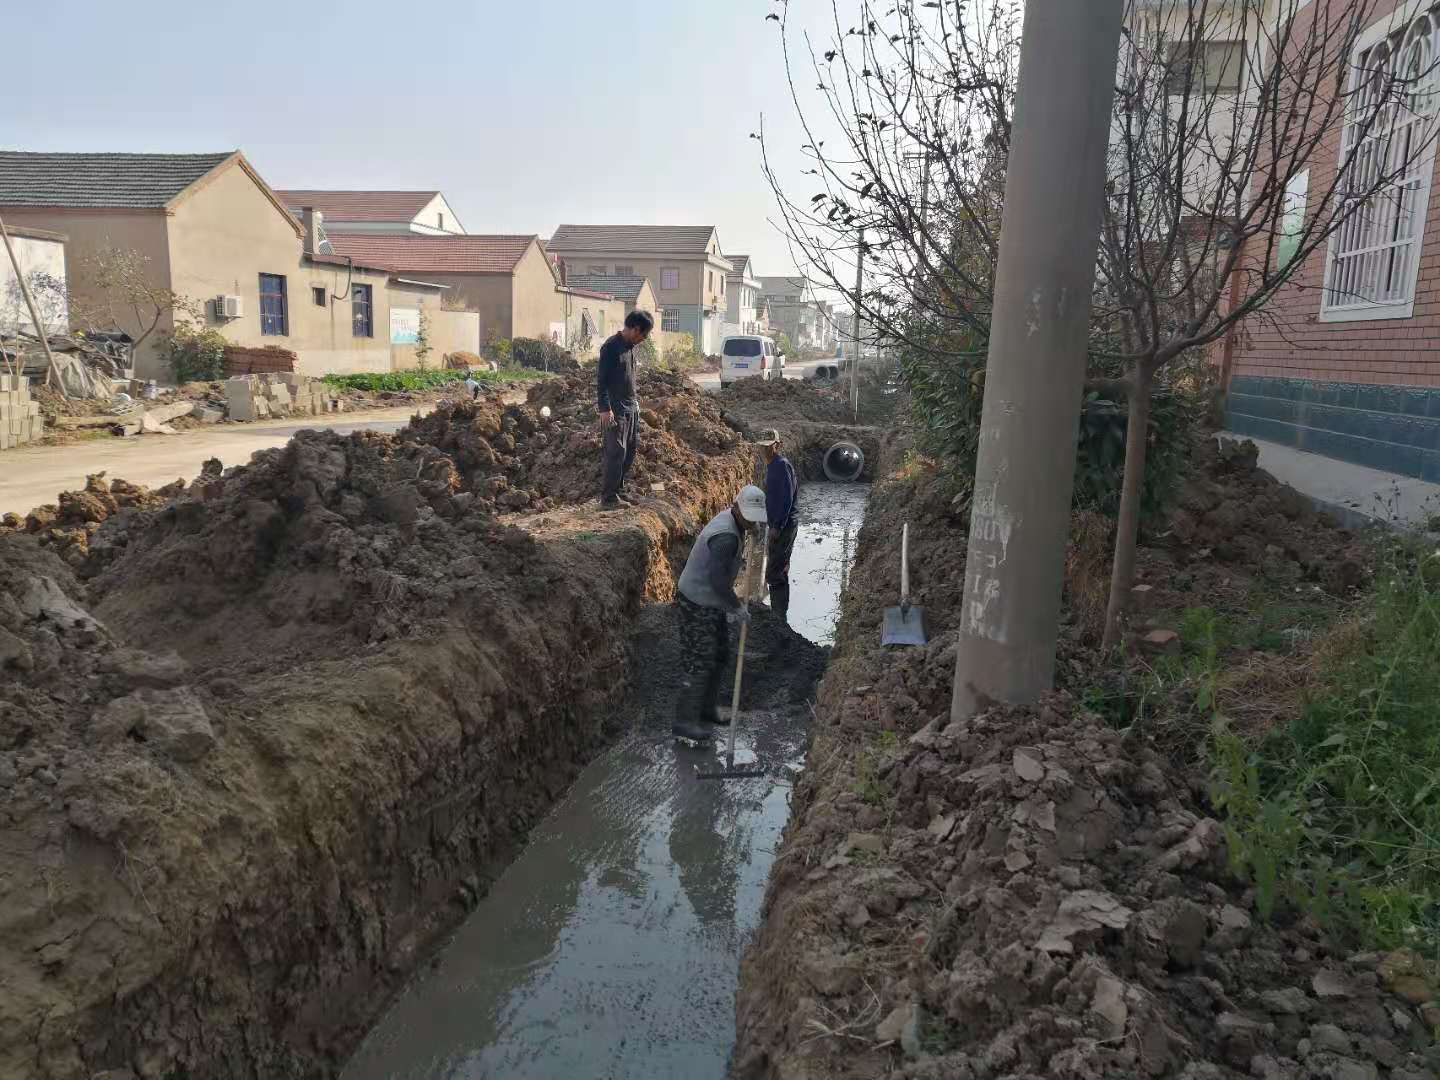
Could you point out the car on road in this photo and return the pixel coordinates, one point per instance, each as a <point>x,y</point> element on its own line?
<point>749,356</point>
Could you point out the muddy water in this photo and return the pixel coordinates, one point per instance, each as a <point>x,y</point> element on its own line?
<point>610,947</point>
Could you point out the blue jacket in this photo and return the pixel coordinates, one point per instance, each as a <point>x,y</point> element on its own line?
<point>780,491</point>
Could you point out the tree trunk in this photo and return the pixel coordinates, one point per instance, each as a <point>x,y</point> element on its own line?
<point>1127,528</point>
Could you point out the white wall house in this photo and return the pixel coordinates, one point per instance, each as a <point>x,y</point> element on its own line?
<point>41,255</point>
<point>423,212</point>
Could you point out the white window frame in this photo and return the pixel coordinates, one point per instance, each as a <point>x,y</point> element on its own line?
<point>672,275</point>
<point>1389,26</point>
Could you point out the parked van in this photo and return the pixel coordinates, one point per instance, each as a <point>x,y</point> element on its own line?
<point>748,356</point>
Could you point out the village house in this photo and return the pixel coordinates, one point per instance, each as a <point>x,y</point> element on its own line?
<point>683,263</point>
<point>1345,361</point>
<point>40,254</point>
<point>506,278</point>
<point>423,212</point>
<point>742,295</point>
<point>634,290</point>
<point>208,228</point>
<point>792,310</point>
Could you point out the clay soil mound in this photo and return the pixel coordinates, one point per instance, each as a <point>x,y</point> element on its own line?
<point>1033,893</point>
<point>786,400</point>
<point>294,717</point>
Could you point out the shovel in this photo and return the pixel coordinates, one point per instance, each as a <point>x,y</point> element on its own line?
<point>903,625</point>
<point>731,771</point>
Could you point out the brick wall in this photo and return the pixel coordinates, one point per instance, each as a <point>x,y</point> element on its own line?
<point>1363,391</point>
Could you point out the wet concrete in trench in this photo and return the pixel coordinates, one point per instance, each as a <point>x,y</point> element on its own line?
<point>610,948</point>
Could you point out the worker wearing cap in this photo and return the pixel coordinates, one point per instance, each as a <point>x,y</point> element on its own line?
<point>781,490</point>
<point>704,600</point>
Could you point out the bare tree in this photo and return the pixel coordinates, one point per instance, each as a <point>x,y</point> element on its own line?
<point>120,292</point>
<point>1247,135</point>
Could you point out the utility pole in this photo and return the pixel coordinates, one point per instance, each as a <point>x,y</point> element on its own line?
<point>1035,371</point>
<point>855,327</point>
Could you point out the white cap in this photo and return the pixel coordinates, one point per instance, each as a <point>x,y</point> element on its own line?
<point>751,501</point>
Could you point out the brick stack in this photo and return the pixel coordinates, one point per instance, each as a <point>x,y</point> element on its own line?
<point>255,397</point>
<point>20,419</point>
<point>240,360</point>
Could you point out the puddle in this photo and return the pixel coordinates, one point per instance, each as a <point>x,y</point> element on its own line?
<point>610,948</point>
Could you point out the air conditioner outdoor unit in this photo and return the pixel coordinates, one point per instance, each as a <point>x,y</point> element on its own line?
<point>228,307</point>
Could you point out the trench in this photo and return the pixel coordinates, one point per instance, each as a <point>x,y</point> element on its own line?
<point>610,946</point>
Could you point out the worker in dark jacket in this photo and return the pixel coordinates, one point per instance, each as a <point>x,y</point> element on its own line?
<point>704,600</point>
<point>781,490</point>
<point>618,405</point>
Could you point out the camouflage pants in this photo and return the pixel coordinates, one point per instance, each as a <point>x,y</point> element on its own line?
<point>704,649</point>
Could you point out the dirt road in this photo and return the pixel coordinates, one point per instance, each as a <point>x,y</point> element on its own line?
<point>30,477</point>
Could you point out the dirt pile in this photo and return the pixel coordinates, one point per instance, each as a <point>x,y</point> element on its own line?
<point>278,742</point>
<point>66,527</point>
<point>786,400</point>
<point>1031,893</point>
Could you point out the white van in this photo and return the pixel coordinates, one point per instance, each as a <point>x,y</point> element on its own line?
<point>748,356</point>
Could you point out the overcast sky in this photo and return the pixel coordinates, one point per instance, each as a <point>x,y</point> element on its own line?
<point>525,114</point>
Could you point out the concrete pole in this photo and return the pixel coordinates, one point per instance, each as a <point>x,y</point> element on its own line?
<point>1035,372</point>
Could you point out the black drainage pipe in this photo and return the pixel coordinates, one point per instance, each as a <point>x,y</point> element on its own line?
<point>844,462</point>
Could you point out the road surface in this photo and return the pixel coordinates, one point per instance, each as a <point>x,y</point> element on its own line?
<point>710,380</point>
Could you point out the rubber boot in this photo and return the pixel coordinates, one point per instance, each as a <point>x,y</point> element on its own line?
<point>710,702</point>
<point>780,601</point>
<point>685,726</point>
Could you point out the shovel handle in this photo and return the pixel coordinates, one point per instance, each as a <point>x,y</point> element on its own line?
<point>905,567</point>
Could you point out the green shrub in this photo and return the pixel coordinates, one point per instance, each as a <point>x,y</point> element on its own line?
<point>395,382</point>
<point>1338,815</point>
<point>680,353</point>
<point>194,354</point>
<point>946,391</point>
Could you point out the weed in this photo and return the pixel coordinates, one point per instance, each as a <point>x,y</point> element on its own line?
<point>395,382</point>
<point>869,784</point>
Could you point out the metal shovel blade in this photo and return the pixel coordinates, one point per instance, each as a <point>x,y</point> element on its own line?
<point>903,626</point>
<point>730,771</point>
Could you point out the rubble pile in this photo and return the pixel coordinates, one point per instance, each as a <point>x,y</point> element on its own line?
<point>66,527</point>
<point>1035,895</point>
<point>20,418</point>
<point>787,400</point>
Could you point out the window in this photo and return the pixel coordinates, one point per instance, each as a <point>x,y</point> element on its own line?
<point>670,321</point>
<point>1199,66</point>
<point>361,313</point>
<point>722,286</point>
<point>317,293</point>
<point>669,278</point>
<point>440,220</point>
<point>624,271</point>
<point>742,347</point>
<point>272,305</point>
<point>597,269</point>
<point>1374,257</point>
<point>709,280</point>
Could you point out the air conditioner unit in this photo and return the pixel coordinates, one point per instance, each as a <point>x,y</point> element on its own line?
<point>228,307</point>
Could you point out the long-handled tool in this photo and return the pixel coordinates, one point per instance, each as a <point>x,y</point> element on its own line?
<point>903,625</point>
<point>731,771</point>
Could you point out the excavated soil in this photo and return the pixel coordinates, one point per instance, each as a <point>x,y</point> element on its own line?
<point>786,400</point>
<point>1033,893</point>
<point>270,742</point>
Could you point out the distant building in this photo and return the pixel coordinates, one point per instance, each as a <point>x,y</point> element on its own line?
<point>423,212</point>
<point>210,229</point>
<point>682,262</point>
<point>743,295</point>
<point>791,304</point>
<point>41,255</point>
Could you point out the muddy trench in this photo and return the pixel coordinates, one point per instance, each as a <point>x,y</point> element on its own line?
<point>610,947</point>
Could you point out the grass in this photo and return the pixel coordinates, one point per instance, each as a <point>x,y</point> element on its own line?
<point>1337,812</point>
<point>395,382</point>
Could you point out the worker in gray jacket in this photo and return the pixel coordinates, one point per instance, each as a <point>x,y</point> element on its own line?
<point>705,600</point>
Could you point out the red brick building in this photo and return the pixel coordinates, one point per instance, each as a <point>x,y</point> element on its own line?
<point>1345,361</point>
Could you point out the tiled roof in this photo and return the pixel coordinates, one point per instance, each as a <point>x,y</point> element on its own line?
<point>360,205</point>
<point>741,264</point>
<point>783,287</point>
<point>632,239</point>
<point>128,181</point>
<point>624,286</point>
<point>409,252</point>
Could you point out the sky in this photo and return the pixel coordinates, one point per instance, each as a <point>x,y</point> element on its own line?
<point>525,114</point>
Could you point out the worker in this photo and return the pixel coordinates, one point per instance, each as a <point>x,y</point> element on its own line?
<point>618,406</point>
<point>781,491</point>
<point>704,601</point>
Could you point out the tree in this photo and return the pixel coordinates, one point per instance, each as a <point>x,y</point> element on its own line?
<point>120,292</point>
<point>1221,114</point>
<point>422,338</point>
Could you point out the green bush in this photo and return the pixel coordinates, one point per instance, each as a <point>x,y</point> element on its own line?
<point>1338,815</point>
<point>680,352</point>
<point>946,390</point>
<point>194,354</point>
<point>395,382</point>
